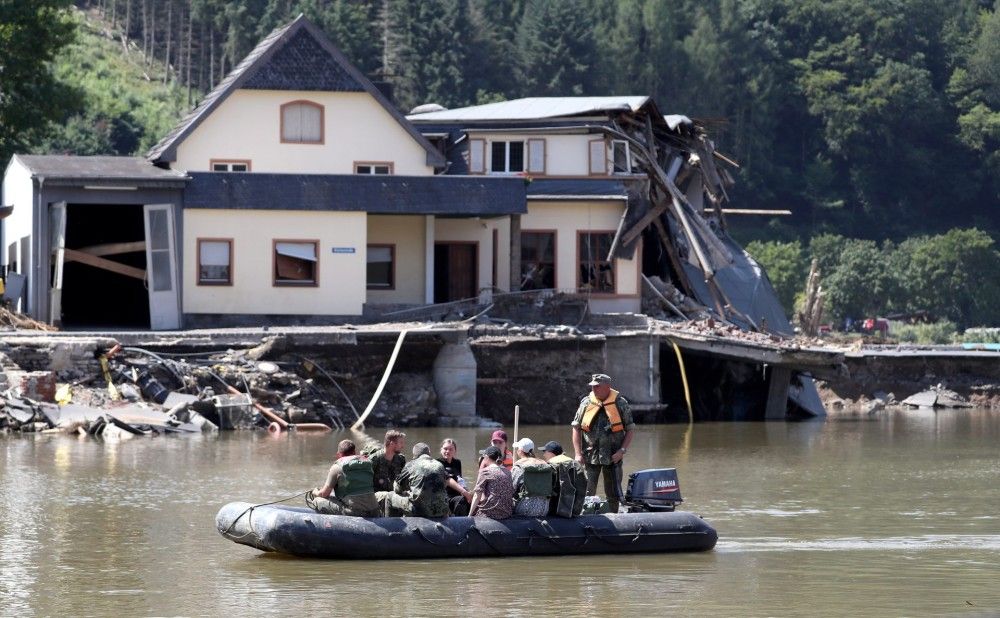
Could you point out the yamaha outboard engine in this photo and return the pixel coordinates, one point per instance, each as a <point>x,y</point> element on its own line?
<point>656,489</point>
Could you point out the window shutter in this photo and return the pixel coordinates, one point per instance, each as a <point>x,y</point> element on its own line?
<point>598,158</point>
<point>477,163</point>
<point>536,156</point>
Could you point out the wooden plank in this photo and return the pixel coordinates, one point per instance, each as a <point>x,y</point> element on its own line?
<point>641,224</point>
<point>115,248</point>
<point>72,255</point>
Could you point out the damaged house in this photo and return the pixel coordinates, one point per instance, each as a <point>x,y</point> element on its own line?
<point>295,193</point>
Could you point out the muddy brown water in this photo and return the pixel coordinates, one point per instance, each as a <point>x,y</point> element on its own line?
<point>895,514</point>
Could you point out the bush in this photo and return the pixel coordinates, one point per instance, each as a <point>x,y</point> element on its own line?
<point>937,333</point>
<point>981,335</point>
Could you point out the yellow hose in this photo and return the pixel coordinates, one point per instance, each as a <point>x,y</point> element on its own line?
<point>684,379</point>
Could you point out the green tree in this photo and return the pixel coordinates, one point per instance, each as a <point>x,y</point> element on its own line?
<point>31,36</point>
<point>951,275</point>
<point>861,284</point>
<point>559,53</point>
<point>786,267</point>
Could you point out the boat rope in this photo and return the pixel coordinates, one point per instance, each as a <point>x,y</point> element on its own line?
<point>250,509</point>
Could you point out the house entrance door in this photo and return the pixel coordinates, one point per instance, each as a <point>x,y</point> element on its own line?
<point>455,270</point>
<point>161,267</point>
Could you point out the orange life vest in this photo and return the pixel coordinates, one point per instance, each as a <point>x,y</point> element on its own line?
<point>508,459</point>
<point>609,406</point>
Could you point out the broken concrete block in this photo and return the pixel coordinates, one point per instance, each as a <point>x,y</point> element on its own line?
<point>35,385</point>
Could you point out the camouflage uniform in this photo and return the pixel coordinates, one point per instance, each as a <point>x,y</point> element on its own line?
<point>420,490</point>
<point>599,444</point>
<point>386,470</point>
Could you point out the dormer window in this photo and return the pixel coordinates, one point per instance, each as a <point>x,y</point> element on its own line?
<point>507,157</point>
<point>302,123</point>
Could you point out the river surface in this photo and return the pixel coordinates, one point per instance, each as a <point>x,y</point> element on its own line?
<point>891,515</point>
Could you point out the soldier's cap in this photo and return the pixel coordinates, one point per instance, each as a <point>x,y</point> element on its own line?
<point>600,378</point>
<point>552,447</point>
<point>492,452</point>
<point>499,434</point>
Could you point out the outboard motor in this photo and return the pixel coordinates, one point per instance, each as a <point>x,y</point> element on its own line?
<point>656,489</point>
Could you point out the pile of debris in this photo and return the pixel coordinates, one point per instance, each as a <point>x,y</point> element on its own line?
<point>139,392</point>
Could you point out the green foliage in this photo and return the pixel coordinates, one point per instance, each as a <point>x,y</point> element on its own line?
<point>786,267</point>
<point>32,34</point>
<point>860,284</point>
<point>128,107</point>
<point>559,52</point>
<point>943,332</point>
<point>981,335</point>
<point>951,275</point>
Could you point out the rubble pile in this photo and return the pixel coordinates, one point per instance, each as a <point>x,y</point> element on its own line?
<point>122,392</point>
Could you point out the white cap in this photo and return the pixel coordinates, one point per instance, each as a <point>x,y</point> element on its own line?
<point>525,444</point>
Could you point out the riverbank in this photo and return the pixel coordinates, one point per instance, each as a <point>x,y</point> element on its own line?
<point>448,374</point>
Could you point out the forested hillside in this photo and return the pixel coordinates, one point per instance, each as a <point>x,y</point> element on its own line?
<point>875,119</point>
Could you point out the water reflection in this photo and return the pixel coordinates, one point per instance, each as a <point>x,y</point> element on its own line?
<point>894,513</point>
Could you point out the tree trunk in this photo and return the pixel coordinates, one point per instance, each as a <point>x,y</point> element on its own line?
<point>170,36</point>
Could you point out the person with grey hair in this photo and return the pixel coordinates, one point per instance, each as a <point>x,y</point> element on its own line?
<point>419,490</point>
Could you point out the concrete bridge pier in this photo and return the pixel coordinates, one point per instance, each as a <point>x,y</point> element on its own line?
<point>454,375</point>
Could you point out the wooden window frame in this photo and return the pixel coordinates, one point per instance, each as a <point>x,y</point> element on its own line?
<point>628,156</point>
<point>555,253</point>
<point>577,262</point>
<point>507,171</point>
<point>392,262</point>
<point>232,263</point>
<point>390,164</point>
<point>274,264</point>
<point>322,122</point>
<point>213,162</point>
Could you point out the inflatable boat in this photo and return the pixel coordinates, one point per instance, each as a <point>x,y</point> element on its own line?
<point>300,531</point>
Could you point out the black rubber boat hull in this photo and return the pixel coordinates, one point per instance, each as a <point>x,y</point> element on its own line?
<point>303,532</point>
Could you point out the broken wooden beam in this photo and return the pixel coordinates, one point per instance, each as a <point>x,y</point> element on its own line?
<point>74,255</point>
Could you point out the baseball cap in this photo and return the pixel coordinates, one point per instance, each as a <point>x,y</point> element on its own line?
<point>553,447</point>
<point>525,444</point>
<point>499,434</point>
<point>492,452</point>
<point>600,378</point>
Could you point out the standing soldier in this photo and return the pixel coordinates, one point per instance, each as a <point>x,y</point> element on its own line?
<point>602,432</point>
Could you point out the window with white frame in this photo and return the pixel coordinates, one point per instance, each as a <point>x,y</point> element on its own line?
<point>215,261</point>
<point>381,267</point>
<point>302,122</point>
<point>621,157</point>
<point>221,165</point>
<point>373,168</point>
<point>296,262</point>
<point>506,157</point>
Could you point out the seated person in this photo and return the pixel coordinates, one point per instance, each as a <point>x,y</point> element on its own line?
<point>570,486</point>
<point>458,496</point>
<point>350,481</point>
<point>419,490</point>
<point>493,495</point>
<point>533,480</point>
